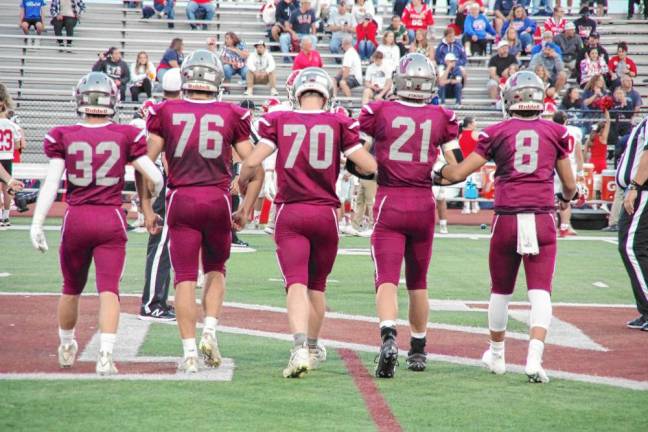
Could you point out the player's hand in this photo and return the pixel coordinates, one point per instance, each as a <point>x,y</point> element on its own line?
<point>153,223</point>
<point>629,201</point>
<point>234,187</point>
<point>239,219</point>
<point>38,238</point>
<point>15,186</point>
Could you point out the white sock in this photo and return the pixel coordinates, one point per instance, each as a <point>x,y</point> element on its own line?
<point>209,325</point>
<point>443,222</point>
<point>5,214</point>
<point>189,347</point>
<point>536,348</point>
<point>107,342</point>
<point>387,323</point>
<point>497,347</point>
<point>418,335</point>
<point>66,336</point>
<point>564,226</point>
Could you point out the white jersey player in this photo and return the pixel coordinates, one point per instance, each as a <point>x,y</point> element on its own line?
<point>10,138</point>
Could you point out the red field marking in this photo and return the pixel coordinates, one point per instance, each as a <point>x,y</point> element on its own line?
<point>376,404</point>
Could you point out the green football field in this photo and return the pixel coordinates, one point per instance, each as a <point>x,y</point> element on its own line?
<point>447,396</point>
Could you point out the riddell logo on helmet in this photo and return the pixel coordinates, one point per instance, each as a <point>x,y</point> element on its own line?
<point>95,110</point>
<point>199,86</point>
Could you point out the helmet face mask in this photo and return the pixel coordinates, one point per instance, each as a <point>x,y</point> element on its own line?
<point>202,71</point>
<point>523,91</point>
<point>96,94</point>
<point>415,78</point>
<point>315,80</point>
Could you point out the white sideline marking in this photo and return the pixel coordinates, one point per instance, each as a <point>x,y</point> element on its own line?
<point>600,285</point>
<point>464,361</point>
<point>448,305</point>
<point>5,274</point>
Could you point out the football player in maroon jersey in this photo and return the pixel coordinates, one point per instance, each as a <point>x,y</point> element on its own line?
<point>197,134</point>
<point>94,154</point>
<point>526,149</point>
<point>408,135</point>
<point>309,142</point>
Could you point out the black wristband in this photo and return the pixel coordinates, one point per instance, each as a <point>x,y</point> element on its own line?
<point>637,185</point>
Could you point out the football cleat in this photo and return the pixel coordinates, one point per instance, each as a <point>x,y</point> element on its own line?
<point>208,347</point>
<point>637,323</point>
<point>105,364</point>
<point>536,373</point>
<point>567,232</point>
<point>387,359</point>
<point>443,229</point>
<point>189,365</point>
<point>416,361</point>
<point>317,356</point>
<point>67,354</point>
<point>494,362</point>
<point>299,363</point>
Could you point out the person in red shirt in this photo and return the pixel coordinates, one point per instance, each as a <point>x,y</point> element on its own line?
<point>621,64</point>
<point>597,145</point>
<point>366,36</point>
<point>556,23</point>
<point>417,16</point>
<point>307,57</point>
<point>468,136</point>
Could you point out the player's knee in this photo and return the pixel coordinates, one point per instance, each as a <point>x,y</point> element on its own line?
<point>541,309</point>
<point>498,311</point>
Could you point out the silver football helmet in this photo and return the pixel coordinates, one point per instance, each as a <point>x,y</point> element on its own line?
<point>415,77</point>
<point>202,71</point>
<point>96,93</point>
<point>523,91</point>
<point>317,80</point>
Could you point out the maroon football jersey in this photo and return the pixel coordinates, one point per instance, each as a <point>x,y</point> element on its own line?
<point>198,139</point>
<point>525,152</point>
<point>308,153</point>
<point>95,159</point>
<point>406,140</point>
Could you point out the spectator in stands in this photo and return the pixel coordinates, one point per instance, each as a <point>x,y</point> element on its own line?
<point>547,38</point>
<point>308,56</point>
<point>302,24</point>
<point>261,69</point>
<point>391,51</point>
<point>592,65</point>
<point>450,44</point>
<point>594,90</point>
<point>450,79</point>
<point>502,9</point>
<point>621,115</point>
<point>283,11</point>
<point>112,64</point>
<point>377,83</point>
<point>592,42</point>
<point>142,75</point>
<point>524,26</point>
<point>233,55</point>
<point>366,37</point>
<point>497,64</point>
<point>478,31</point>
<point>421,45</point>
<point>572,104</point>
<point>341,23</point>
<point>554,65</point>
<point>200,10</point>
<point>557,22</point>
<point>585,25</point>
<point>165,9</point>
<point>596,146</point>
<point>570,4</point>
<point>631,93</point>
<point>65,14</point>
<point>570,44</point>
<point>515,46</point>
<point>543,74</point>
<point>620,64</point>
<point>351,74</point>
<point>399,7</point>
<point>31,15</point>
<point>417,16</point>
<point>361,8</point>
<point>172,58</point>
<point>535,10</point>
<point>212,45</point>
<point>401,36</point>
<point>631,8</point>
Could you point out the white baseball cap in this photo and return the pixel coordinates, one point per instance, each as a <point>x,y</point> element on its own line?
<point>172,81</point>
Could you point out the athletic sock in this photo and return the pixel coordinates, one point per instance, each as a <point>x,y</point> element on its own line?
<point>299,339</point>
<point>497,347</point>
<point>107,342</point>
<point>564,226</point>
<point>388,332</point>
<point>312,343</point>
<point>5,214</point>
<point>417,344</point>
<point>66,336</point>
<point>189,347</point>
<point>443,222</point>
<point>536,348</point>
<point>209,326</point>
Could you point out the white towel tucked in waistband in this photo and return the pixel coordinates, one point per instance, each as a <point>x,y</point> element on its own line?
<point>527,238</point>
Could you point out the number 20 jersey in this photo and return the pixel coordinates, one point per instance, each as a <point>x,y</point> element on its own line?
<point>406,140</point>
<point>198,139</point>
<point>525,152</point>
<point>95,159</point>
<point>308,145</point>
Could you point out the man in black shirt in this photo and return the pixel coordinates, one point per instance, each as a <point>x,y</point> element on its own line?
<point>585,25</point>
<point>111,64</point>
<point>497,65</point>
<point>285,8</point>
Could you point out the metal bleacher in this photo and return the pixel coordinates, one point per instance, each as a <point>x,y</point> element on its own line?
<point>41,77</point>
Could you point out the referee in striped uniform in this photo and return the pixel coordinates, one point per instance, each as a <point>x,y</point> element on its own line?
<point>632,176</point>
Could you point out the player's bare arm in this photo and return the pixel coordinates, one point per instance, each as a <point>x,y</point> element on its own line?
<point>144,191</point>
<point>564,171</point>
<point>638,181</point>
<point>458,173</point>
<point>45,200</point>
<point>250,189</point>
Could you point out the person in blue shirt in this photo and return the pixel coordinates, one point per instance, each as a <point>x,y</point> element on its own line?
<point>524,26</point>
<point>547,39</point>
<point>31,15</point>
<point>477,30</point>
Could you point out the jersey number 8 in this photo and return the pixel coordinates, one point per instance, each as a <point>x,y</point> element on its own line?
<point>526,144</point>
